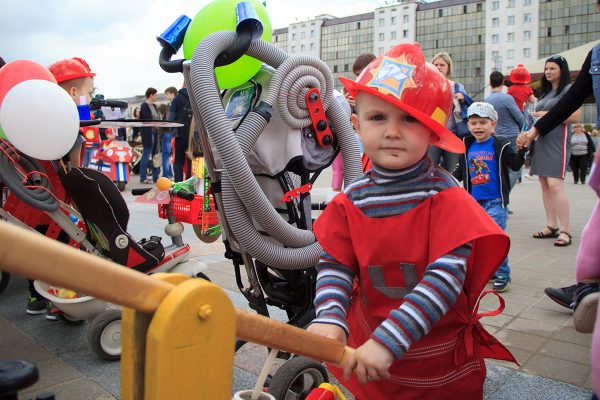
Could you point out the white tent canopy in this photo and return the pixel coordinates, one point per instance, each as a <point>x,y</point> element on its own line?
<point>575,57</point>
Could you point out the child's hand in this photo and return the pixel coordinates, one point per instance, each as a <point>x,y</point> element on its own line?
<point>370,362</point>
<point>328,330</point>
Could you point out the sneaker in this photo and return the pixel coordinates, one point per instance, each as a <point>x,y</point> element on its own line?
<point>36,305</point>
<point>501,283</point>
<point>52,312</point>
<point>563,296</point>
<point>585,304</point>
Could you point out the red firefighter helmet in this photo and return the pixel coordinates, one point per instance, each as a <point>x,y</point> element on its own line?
<point>403,77</point>
<point>70,68</point>
<point>519,74</point>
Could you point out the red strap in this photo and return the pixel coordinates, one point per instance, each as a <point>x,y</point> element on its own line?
<point>292,194</point>
<point>489,313</point>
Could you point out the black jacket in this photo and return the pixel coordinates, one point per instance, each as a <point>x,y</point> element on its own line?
<point>507,158</point>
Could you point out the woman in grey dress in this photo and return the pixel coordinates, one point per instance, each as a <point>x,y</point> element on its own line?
<point>552,152</point>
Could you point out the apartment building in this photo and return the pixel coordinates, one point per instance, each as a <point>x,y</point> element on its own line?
<point>480,35</point>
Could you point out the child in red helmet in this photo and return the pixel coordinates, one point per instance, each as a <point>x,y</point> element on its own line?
<point>75,76</point>
<point>520,89</point>
<point>406,251</point>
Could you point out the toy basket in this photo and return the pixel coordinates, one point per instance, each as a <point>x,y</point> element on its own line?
<point>190,211</point>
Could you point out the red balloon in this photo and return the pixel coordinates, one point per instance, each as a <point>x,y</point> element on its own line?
<point>18,71</point>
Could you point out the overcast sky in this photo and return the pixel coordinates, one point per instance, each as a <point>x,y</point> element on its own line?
<point>118,37</point>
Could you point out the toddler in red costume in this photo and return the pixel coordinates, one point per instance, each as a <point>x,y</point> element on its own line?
<point>406,251</point>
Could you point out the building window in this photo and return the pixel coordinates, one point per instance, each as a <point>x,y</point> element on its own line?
<point>302,35</point>
<point>405,33</point>
<point>312,46</point>
<point>510,20</point>
<point>381,22</point>
<point>335,69</point>
<point>293,36</point>
<point>479,7</point>
<point>495,55</point>
<point>393,35</point>
<point>464,9</point>
<point>293,49</point>
<point>440,12</point>
<point>276,38</point>
<point>511,3</point>
<point>495,39</point>
<point>495,21</point>
<point>526,2</point>
<point>479,39</point>
<point>527,18</point>
<point>380,51</point>
<point>495,5</point>
<point>312,33</point>
<point>394,20</point>
<point>510,54</point>
<point>510,37</point>
<point>549,32</point>
<point>345,67</point>
<point>437,44</point>
<point>567,29</point>
<point>527,35</point>
<point>302,47</point>
<point>405,19</point>
<point>381,37</point>
<point>477,71</point>
<point>358,25</point>
<point>526,52</point>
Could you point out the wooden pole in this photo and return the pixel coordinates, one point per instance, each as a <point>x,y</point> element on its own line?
<point>32,255</point>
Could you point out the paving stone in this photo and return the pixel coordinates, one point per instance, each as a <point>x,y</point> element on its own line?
<point>497,321</point>
<point>29,350</point>
<point>554,368</point>
<point>10,335</point>
<point>569,334</point>
<point>532,327</point>
<point>567,351</point>
<point>77,389</point>
<point>53,372</point>
<point>521,340</point>
<point>540,314</point>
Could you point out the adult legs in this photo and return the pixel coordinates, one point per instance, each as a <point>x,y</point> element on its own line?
<point>155,144</point>
<point>560,202</point>
<point>575,161</point>
<point>166,155</point>
<point>583,167</point>
<point>147,143</point>
<point>513,176</point>
<point>180,148</point>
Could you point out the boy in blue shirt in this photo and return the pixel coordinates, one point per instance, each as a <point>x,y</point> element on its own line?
<point>484,168</point>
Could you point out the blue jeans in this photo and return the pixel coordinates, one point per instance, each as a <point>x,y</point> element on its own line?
<point>513,176</point>
<point>87,156</point>
<point>149,142</point>
<point>449,160</point>
<point>499,214</point>
<point>167,171</point>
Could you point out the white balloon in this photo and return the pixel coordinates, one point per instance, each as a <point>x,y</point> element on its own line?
<point>40,119</point>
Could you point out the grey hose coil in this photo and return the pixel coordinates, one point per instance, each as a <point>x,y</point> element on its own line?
<point>242,196</point>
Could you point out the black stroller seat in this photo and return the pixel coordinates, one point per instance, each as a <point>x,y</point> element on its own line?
<point>106,216</point>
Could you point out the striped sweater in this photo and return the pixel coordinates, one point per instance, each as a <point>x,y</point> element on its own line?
<point>383,193</point>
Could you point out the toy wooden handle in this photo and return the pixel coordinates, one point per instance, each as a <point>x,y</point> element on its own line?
<point>271,333</point>
<point>30,254</point>
<point>23,252</point>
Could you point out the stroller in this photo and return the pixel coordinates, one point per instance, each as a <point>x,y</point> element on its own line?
<point>265,143</point>
<point>101,229</point>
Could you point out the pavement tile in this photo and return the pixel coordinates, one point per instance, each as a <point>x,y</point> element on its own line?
<point>77,389</point>
<point>561,370</point>
<point>567,351</point>
<point>521,355</point>
<point>521,340</point>
<point>498,321</point>
<point>520,298</point>
<point>569,334</point>
<point>53,372</point>
<point>541,314</point>
<point>29,350</point>
<point>10,335</point>
<point>532,327</point>
<point>588,382</point>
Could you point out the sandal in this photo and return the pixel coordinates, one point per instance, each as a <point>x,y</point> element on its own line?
<point>541,235</point>
<point>562,242</point>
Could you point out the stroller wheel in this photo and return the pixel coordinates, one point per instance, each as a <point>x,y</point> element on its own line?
<point>296,378</point>
<point>4,278</point>
<point>104,335</point>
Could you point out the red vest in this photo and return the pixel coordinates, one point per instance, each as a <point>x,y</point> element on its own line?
<point>389,257</point>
